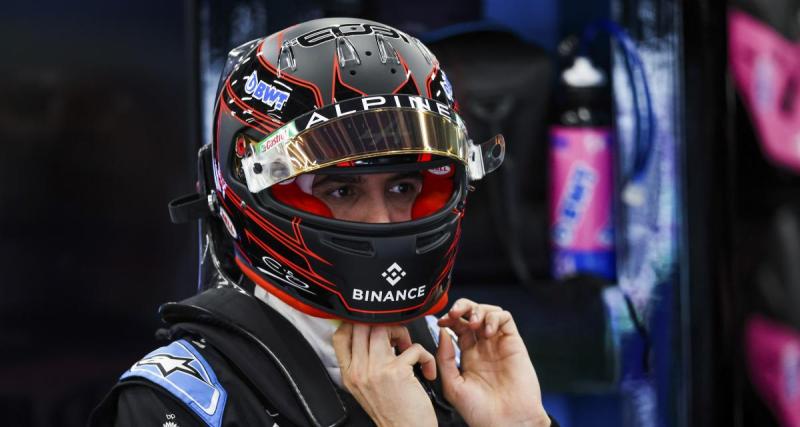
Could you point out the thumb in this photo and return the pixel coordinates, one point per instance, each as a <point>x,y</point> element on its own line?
<point>417,354</point>
<point>446,359</point>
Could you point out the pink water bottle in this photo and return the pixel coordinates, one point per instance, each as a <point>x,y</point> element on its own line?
<point>581,175</point>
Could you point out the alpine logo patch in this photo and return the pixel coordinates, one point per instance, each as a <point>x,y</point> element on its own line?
<point>266,93</point>
<point>182,371</point>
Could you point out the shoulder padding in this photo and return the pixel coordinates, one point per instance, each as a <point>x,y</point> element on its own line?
<point>180,369</point>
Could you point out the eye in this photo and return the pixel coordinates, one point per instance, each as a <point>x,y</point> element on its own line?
<point>341,192</point>
<point>405,188</point>
<point>402,188</point>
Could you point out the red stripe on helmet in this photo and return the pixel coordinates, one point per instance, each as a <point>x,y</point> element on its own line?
<point>296,80</point>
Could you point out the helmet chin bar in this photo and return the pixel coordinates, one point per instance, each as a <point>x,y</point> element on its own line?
<point>271,287</point>
<point>415,256</point>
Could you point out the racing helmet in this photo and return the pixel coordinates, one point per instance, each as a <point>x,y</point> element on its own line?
<point>331,100</point>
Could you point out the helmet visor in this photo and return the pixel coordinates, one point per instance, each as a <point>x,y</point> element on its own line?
<point>289,152</point>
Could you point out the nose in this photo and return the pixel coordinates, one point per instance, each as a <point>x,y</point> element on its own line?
<point>377,211</point>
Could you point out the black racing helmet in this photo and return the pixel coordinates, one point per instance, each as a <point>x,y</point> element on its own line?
<point>332,100</point>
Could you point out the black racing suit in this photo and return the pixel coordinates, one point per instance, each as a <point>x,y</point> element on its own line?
<point>234,361</point>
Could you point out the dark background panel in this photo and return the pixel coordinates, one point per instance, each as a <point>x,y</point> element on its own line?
<point>96,130</point>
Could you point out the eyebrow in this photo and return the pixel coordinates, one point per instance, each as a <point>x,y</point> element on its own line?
<point>355,179</point>
<point>404,175</point>
<point>343,179</point>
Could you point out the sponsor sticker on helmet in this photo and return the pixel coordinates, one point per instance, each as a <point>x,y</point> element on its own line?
<point>228,223</point>
<point>279,136</point>
<point>354,105</point>
<point>448,88</point>
<point>393,274</point>
<point>393,295</point>
<point>266,93</point>
<point>283,274</point>
<point>327,34</point>
<point>441,170</point>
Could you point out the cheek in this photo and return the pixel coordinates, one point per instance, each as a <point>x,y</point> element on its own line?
<point>358,210</point>
<point>373,207</point>
<point>400,211</point>
<point>342,211</point>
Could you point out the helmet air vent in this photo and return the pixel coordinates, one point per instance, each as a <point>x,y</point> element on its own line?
<point>432,241</point>
<point>286,58</point>
<point>346,52</point>
<point>355,247</point>
<point>386,50</point>
<point>426,53</point>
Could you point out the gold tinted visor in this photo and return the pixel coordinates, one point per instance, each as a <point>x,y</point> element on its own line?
<point>288,152</point>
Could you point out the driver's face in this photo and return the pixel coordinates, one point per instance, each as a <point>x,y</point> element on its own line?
<point>375,198</point>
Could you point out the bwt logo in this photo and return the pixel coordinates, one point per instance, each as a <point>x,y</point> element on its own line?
<point>448,88</point>
<point>265,93</point>
<point>393,274</point>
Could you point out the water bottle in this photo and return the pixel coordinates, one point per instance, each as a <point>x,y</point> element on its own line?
<point>581,174</point>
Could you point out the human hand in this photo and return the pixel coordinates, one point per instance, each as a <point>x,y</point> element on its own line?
<point>380,380</point>
<point>497,384</point>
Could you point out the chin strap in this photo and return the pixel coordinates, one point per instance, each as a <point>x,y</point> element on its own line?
<point>190,207</point>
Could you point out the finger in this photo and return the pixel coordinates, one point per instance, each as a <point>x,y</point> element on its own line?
<point>417,354</point>
<point>479,313</point>
<point>461,308</point>
<point>457,318</point>
<point>495,322</point>
<point>472,311</point>
<point>400,338</point>
<point>458,325</point>
<point>379,346</point>
<point>383,339</point>
<point>446,358</point>
<point>461,327</point>
<point>359,353</point>
<point>342,343</point>
<point>508,326</point>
